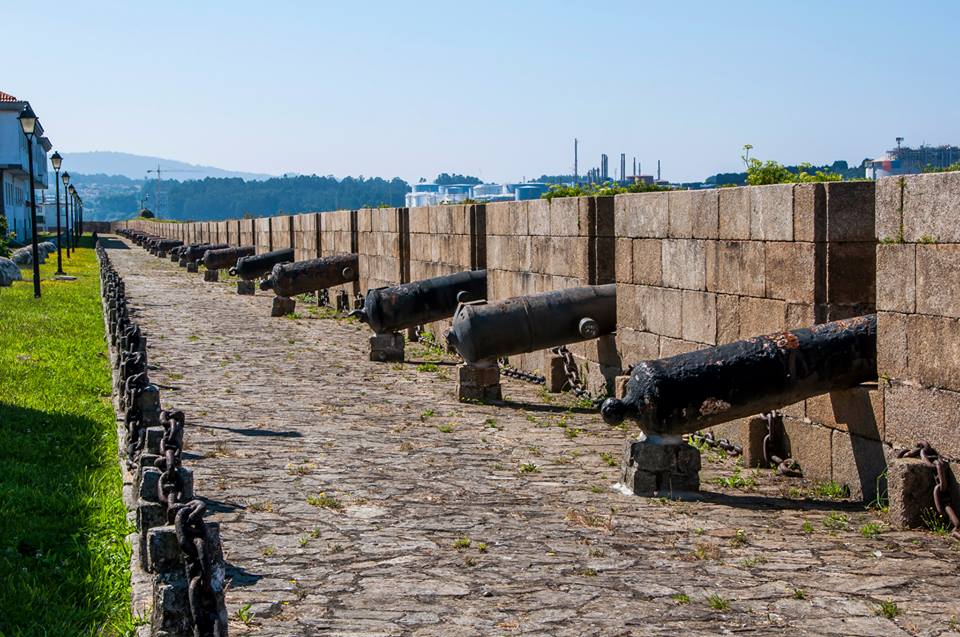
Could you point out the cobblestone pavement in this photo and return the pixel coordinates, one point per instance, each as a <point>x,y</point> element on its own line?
<point>359,498</point>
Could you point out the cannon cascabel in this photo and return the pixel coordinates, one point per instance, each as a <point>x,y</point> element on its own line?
<point>290,279</point>
<point>692,391</point>
<point>391,309</point>
<point>523,324</point>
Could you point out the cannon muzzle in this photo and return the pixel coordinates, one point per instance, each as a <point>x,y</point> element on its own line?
<point>391,309</point>
<point>523,324</point>
<point>689,392</point>
<point>290,279</point>
<point>251,267</point>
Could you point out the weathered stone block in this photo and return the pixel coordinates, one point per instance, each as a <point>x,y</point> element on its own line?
<point>858,410</point>
<point>938,285</point>
<point>736,267</point>
<point>673,347</point>
<point>680,212</point>
<point>152,440</point>
<point>761,316</point>
<point>647,261</point>
<point>734,213</point>
<point>851,210</point>
<point>170,614</point>
<point>810,445</point>
<point>555,373</point>
<point>661,470</point>
<point>728,318</point>
<point>800,315</point>
<point>569,216</point>
<point>163,550</point>
<point>211,276</point>
<point>623,267</point>
<point>636,346</point>
<point>931,205</point>
<point>933,350</point>
<point>809,212</point>
<point>790,271</point>
<point>387,348</point>
<point>651,309</point>
<point>193,267</point>
<point>771,212</point>
<point>910,491</point>
<point>892,345</point>
<point>478,382</point>
<point>538,219</point>
<point>147,487</point>
<point>641,215</point>
<point>897,277</point>
<point>889,208</point>
<point>507,218</point>
<point>852,273</point>
<point>148,516</point>
<point>699,317</point>
<point>859,463</point>
<point>684,264</point>
<point>282,305</point>
<point>913,414</point>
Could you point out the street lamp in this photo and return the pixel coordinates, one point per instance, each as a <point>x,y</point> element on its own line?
<point>73,206</point>
<point>28,123</point>
<point>65,178</point>
<point>80,224</point>
<point>56,160</point>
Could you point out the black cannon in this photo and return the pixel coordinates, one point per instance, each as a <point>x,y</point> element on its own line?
<point>390,309</point>
<point>289,279</point>
<point>252,267</point>
<point>182,251</point>
<point>164,246</point>
<point>530,323</point>
<point>224,258</point>
<point>193,256</point>
<point>692,391</point>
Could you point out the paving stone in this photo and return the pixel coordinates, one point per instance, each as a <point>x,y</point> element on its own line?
<point>295,410</point>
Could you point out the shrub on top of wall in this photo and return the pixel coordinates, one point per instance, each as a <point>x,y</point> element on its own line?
<point>607,189</point>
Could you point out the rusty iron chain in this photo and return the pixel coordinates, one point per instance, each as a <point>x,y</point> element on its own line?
<point>574,381</point>
<point>712,441</point>
<point>941,487</point>
<point>785,466</point>
<point>198,559</point>
<point>170,486</point>
<point>323,297</point>
<point>508,370</point>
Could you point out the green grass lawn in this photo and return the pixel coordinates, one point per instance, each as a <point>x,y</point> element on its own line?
<point>64,565</point>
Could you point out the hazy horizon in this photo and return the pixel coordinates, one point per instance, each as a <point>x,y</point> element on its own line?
<point>496,90</point>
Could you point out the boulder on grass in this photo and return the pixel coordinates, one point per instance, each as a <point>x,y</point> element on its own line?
<point>49,247</point>
<point>9,272</point>
<point>23,257</point>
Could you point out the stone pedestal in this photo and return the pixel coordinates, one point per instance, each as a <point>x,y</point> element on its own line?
<point>343,301</point>
<point>413,335</point>
<point>211,276</point>
<point>247,288</point>
<point>193,267</point>
<point>661,467</point>
<point>555,374</point>
<point>910,490</point>
<point>387,348</point>
<point>283,305</point>
<point>479,382</point>
<point>162,254</point>
<point>149,515</point>
<point>174,257</point>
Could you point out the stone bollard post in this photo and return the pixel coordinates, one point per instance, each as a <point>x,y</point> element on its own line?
<point>283,305</point>
<point>211,276</point>
<point>246,288</point>
<point>661,467</point>
<point>387,348</point>
<point>480,381</point>
<point>910,491</point>
<point>171,601</point>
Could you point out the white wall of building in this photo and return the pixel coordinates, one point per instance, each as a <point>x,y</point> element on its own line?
<point>15,189</point>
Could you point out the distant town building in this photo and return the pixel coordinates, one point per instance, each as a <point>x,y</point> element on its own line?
<point>15,169</point>
<point>906,160</point>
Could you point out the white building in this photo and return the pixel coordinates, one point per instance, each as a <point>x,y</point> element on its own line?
<point>14,168</point>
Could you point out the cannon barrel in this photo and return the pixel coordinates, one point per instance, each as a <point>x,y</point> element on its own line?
<point>249,268</point>
<point>688,392</point>
<point>196,253</point>
<point>391,309</point>
<point>530,323</point>
<point>166,245</point>
<point>225,257</point>
<point>290,279</point>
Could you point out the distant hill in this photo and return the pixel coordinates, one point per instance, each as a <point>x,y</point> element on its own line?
<point>100,162</point>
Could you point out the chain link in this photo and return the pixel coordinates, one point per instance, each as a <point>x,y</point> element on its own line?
<point>941,487</point>
<point>574,381</point>
<point>508,370</point>
<point>707,438</point>
<point>786,466</point>
<point>198,557</point>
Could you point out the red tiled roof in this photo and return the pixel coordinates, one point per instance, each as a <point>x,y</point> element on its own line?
<point>6,97</point>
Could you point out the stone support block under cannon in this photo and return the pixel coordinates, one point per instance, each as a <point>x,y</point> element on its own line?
<point>166,245</point>
<point>389,310</point>
<point>289,279</point>
<point>693,391</point>
<point>484,332</point>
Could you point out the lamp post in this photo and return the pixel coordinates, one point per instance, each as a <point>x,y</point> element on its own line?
<point>80,224</point>
<point>73,206</point>
<point>28,123</point>
<point>56,160</point>
<point>65,178</point>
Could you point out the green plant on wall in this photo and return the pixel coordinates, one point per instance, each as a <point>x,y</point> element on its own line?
<point>760,173</point>
<point>607,189</point>
<point>5,235</point>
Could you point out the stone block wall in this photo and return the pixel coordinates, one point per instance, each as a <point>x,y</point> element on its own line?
<point>281,232</point>
<point>248,232</point>
<point>444,240</point>
<point>262,234</point>
<point>539,246</point>
<point>382,247</point>
<point>338,235</point>
<point>918,299</point>
<point>306,236</point>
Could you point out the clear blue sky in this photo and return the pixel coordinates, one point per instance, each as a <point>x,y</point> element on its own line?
<point>496,89</point>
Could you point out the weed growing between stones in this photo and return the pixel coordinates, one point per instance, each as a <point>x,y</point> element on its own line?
<point>831,490</point>
<point>461,543</point>
<point>871,529</point>
<point>681,598</point>
<point>608,458</point>
<point>836,521</point>
<point>64,564</point>
<point>718,603</point>
<point>324,501</point>
<point>529,467</point>
<point>737,480</point>
<point>888,609</point>
<point>799,593</point>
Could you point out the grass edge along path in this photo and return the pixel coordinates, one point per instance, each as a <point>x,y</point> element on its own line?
<point>64,561</point>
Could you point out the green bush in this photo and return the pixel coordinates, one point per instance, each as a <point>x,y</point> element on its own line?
<point>947,169</point>
<point>761,173</point>
<point>5,235</point>
<point>607,189</point>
